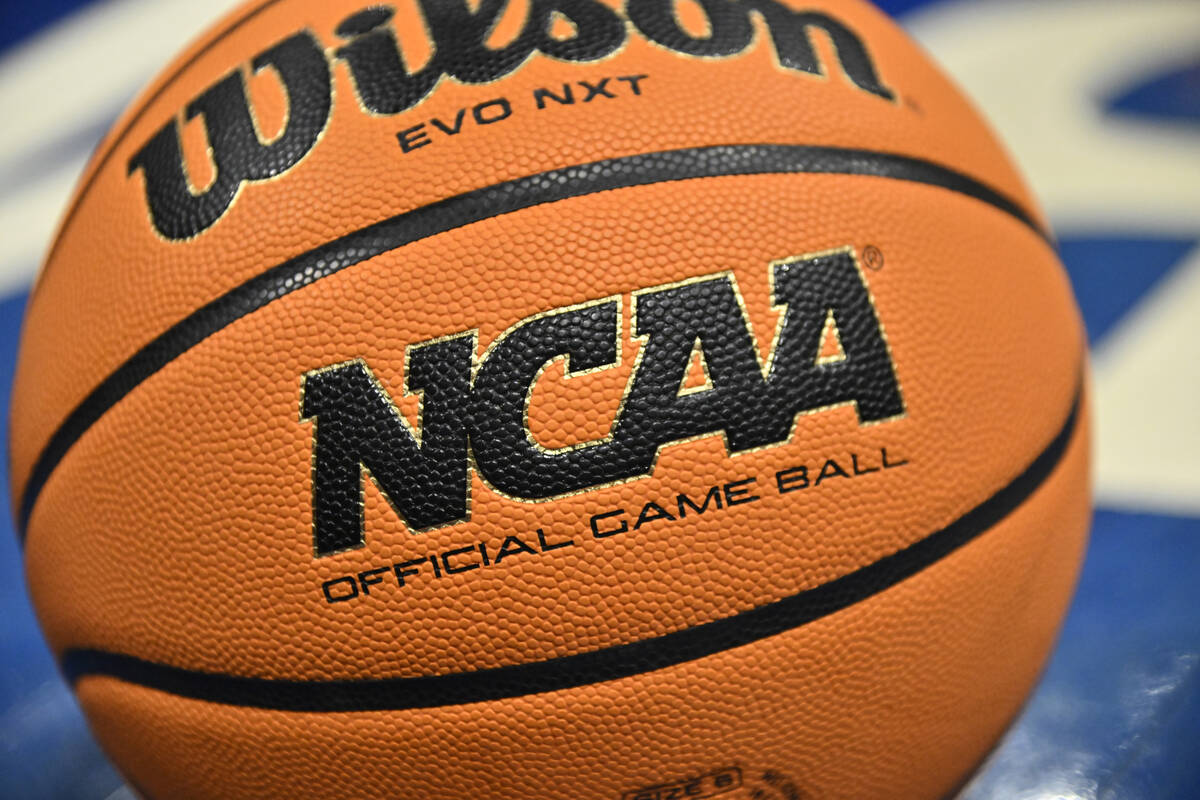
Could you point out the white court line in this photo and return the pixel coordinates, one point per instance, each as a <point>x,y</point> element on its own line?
<point>1147,381</point>
<point>1040,69</point>
<point>1041,90</point>
<point>71,79</point>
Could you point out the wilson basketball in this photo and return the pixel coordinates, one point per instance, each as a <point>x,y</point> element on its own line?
<point>551,399</point>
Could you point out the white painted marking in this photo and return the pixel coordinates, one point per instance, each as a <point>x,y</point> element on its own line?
<point>29,217</point>
<point>71,80</point>
<point>1094,173</point>
<point>1147,380</point>
<point>1041,69</point>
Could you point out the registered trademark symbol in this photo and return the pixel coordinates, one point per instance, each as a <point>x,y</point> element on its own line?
<point>872,257</point>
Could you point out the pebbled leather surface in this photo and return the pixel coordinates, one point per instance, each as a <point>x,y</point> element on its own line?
<point>454,212</point>
<point>700,103</point>
<point>176,525</point>
<point>894,697</point>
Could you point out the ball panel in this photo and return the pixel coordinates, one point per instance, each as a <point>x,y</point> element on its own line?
<point>188,521</point>
<point>112,283</point>
<point>199,482</point>
<point>842,707</point>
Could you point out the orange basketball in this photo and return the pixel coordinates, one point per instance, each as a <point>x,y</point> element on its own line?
<point>551,399</point>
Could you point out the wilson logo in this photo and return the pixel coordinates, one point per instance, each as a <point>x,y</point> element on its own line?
<point>474,410</point>
<point>458,32</point>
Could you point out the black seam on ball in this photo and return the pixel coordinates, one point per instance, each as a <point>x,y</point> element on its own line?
<point>596,666</point>
<point>475,206</point>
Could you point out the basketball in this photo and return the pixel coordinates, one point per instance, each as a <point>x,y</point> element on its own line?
<point>615,399</point>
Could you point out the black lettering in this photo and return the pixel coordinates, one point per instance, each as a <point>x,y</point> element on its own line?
<point>459,31</point>
<point>599,31</point>
<point>792,480</point>
<point>566,99</point>
<point>598,518</point>
<point>357,431</point>
<point>407,569</point>
<point>547,546</point>
<point>731,33</point>
<point>381,78</point>
<point>177,209</point>
<point>655,413</point>
<point>890,464</point>
<point>483,553</point>
<point>735,495</point>
<point>650,512</point>
<point>511,546</point>
<point>443,127</point>
<point>812,288</point>
<point>860,471</point>
<point>595,90</point>
<point>502,105</point>
<point>831,469</point>
<point>348,581</point>
<point>790,35</point>
<point>413,138</point>
<point>633,81</point>
<point>449,554</point>
<point>504,453</point>
<point>683,502</point>
<point>370,578</point>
